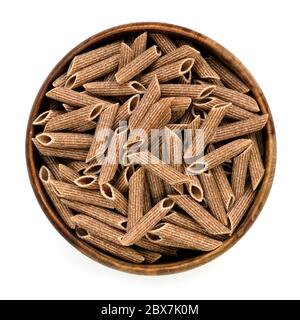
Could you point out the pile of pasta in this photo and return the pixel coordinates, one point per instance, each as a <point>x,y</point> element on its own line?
<point>146,209</point>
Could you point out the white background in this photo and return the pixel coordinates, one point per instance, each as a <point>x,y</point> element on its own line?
<point>36,262</point>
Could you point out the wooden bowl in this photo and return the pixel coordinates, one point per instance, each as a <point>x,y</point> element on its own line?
<point>194,259</point>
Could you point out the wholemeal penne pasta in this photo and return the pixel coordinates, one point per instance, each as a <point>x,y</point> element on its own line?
<point>239,99</point>
<point>147,222</point>
<point>92,72</point>
<point>60,81</point>
<point>126,55</point>
<point>194,91</point>
<point>183,52</point>
<point>114,196</point>
<point>199,214</point>
<point>78,166</point>
<point>219,156</point>
<point>136,197</point>
<point>46,116</point>
<point>91,57</point>
<point>139,64</point>
<point>165,250</point>
<point>185,238</point>
<point>147,196</point>
<point>125,253</point>
<point>139,44</point>
<point>150,256</point>
<point>203,69</point>
<point>256,167</point>
<point>126,110</point>
<point>105,88</point>
<point>156,186</point>
<point>100,140</point>
<point>65,140</point>
<point>106,216</point>
<point>73,98</point>
<point>65,213</point>
<point>180,104</point>
<point>169,71</point>
<point>98,228</point>
<point>152,95</point>
<point>52,164</point>
<point>239,172</point>
<point>233,111</point>
<point>239,208</point>
<point>194,188</point>
<point>240,128</point>
<point>73,154</point>
<point>159,168</point>
<point>92,167</point>
<point>122,183</point>
<point>87,182</point>
<point>74,193</point>
<point>67,174</point>
<point>165,44</point>
<point>228,77</point>
<point>213,197</point>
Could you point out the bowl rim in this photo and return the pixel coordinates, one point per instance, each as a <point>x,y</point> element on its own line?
<point>270,150</point>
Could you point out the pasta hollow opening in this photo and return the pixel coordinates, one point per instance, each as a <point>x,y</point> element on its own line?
<point>70,82</point>
<point>107,190</point>
<point>167,203</point>
<point>187,65</point>
<point>44,138</point>
<point>81,232</point>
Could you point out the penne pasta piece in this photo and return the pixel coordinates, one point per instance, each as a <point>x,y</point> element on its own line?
<point>163,42</point>
<point>92,72</point>
<point>122,183</point>
<point>124,253</point>
<point>65,140</point>
<point>147,222</point>
<point>98,228</point>
<point>200,215</point>
<point>233,111</point>
<point>156,186</point>
<point>126,55</point>
<point>87,182</point>
<point>92,167</point>
<point>227,76</point>
<point>74,193</point>
<point>73,98</point>
<point>74,154</point>
<point>52,164</point>
<point>239,172</point>
<point>60,81</point>
<point>183,52</point>
<point>114,196</point>
<point>147,196</point>
<point>184,238</point>
<point>194,91</point>
<point>139,44</point>
<point>136,197</point>
<point>239,99</point>
<point>65,213</point>
<point>239,208</point>
<point>240,128</point>
<point>169,71</point>
<point>126,110</point>
<point>256,167</point>
<point>108,217</point>
<point>213,197</point>
<point>151,96</point>
<point>194,188</point>
<point>45,117</point>
<point>146,244</point>
<point>101,138</point>
<point>203,69</point>
<point>219,156</point>
<point>139,64</point>
<point>105,88</point>
<point>180,104</point>
<point>159,168</point>
<point>74,119</point>
<point>91,57</point>
<point>150,256</point>
<point>67,174</point>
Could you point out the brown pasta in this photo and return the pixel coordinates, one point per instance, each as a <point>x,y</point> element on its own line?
<point>150,256</point>
<point>78,166</point>
<point>156,186</point>
<point>122,183</point>
<point>67,174</point>
<point>87,182</point>
<point>60,81</point>
<point>139,64</point>
<point>126,55</point>
<point>194,91</point>
<point>228,77</point>
<point>45,117</point>
<point>147,222</point>
<point>52,164</point>
<point>115,197</point>
<point>164,42</point>
<point>136,197</point>
<point>180,104</point>
<point>109,217</point>
<point>139,44</point>
<point>105,88</point>
<point>203,69</point>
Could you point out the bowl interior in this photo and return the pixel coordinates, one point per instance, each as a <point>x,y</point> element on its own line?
<point>189,259</point>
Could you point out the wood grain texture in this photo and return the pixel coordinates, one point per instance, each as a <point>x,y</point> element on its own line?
<point>181,263</point>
